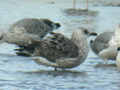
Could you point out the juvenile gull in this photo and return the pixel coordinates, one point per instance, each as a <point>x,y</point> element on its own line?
<point>39,27</point>
<point>24,31</point>
<point>62,52</point>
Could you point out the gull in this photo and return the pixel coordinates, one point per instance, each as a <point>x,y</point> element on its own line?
<point>60,51</point>
<point>22,32</point>
<point>106,44</point>
<point>36,26</point>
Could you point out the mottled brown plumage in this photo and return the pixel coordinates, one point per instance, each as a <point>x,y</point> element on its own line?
<point>60,51</point>
<point>24,31</point>
<point>39,27</point>
<point>52,48</point>
<point>56,47</point>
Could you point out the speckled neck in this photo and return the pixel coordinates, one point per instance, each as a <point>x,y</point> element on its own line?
<point>80,40</point>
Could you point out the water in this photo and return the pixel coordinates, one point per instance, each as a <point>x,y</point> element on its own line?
<point>20,73</point>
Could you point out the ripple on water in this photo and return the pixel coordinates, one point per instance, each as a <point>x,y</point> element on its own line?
<point>20,73</point>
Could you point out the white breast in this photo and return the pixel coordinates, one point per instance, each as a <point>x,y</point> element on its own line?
<point>118,60</point>
<point>115,41</point>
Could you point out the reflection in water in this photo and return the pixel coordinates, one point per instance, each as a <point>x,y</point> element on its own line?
<point>68,73</point>
<point>105,65</point>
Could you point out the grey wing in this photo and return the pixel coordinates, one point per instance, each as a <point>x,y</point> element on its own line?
<point>101,42</point>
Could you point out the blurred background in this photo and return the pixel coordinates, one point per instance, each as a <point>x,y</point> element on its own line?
<point>21,73</point>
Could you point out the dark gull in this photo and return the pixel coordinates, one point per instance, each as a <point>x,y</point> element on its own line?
<point>60,51</point>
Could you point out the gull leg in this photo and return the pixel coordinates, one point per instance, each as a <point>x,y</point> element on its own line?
<point>63,69</point>
<point>105,61</point>
<point>55,69</point>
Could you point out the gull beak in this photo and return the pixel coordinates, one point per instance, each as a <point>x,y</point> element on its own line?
<point>93,34</point>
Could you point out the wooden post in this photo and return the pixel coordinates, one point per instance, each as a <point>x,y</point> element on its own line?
<point>74,4</point>
<point>87,5</point>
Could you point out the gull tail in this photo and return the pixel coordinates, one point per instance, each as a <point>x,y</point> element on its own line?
<point>43,61</point>
<point>60,63</point>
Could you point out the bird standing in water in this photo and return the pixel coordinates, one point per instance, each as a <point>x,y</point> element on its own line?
<point>106,44</point>
<point>60,51</point>
<point>24,31</point>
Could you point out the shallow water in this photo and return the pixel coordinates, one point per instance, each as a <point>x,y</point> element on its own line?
<point>20,73</point>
